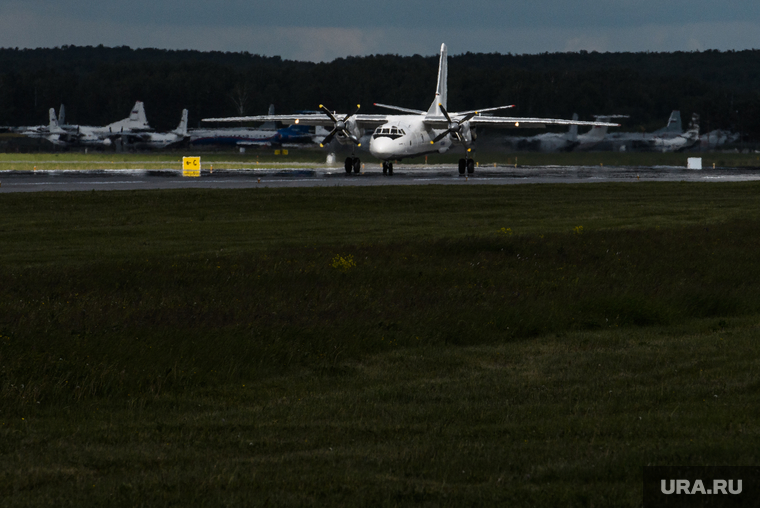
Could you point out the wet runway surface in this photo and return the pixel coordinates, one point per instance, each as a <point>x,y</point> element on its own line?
<point>323,176</point>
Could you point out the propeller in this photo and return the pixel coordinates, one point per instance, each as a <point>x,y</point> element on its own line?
<point>455,126</point>
<point>339,126</point>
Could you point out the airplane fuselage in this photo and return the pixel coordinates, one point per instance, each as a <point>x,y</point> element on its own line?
<point>406,136</point>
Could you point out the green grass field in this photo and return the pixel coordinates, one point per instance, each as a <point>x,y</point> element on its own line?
<point>531,345</point>
<point>266,157</point>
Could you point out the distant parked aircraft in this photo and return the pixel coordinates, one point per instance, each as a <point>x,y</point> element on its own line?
<point>131,131</point>
<point>716,138</point>
<point>670,138</point>
<point>562,141</point>
<point>157,139</point>
<point>266,134</point>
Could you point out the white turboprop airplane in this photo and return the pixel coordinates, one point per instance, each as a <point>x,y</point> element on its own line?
<point>412,134</point>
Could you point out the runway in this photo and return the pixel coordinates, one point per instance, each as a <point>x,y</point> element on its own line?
<point>324,176</point>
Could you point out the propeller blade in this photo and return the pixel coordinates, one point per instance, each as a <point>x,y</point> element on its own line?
<point>329,137</point>
<point>328,113</point>
<point>441,136</point>
<point>468,117</point>
<point>445,113</point>
<point>358,106</point>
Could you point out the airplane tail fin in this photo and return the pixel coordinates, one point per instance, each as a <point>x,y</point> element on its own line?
<point>53,125</point>
<point>573,132</point>
<point>136,120</point>
<point>182,127</point>
<point>269,126</point>
<point>137,115</point>
<point>441,91</point>
<point>674,123</point>
<point>62,116</point>
<point>52,119</point>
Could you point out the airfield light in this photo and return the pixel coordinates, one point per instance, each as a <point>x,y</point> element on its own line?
<point>517,124</point>
<point>298,120</point>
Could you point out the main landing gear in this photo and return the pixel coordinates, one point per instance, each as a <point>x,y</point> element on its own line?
<point>387,168</point>
<point>466,165</point>
<point>353,164</point>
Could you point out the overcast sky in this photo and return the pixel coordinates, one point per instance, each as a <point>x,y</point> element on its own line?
<point>324,30</point>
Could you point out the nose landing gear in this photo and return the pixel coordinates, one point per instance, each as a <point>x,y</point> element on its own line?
<point>387,168</point>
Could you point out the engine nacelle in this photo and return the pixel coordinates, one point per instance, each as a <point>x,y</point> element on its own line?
<point>467,133</point>
<point>353,129</point>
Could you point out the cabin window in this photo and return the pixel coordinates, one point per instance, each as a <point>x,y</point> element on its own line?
<point>388,132</point>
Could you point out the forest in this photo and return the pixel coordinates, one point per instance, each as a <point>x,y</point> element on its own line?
<point>99,85</point>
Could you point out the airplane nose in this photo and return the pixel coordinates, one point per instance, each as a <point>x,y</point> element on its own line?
<point>381,148</point>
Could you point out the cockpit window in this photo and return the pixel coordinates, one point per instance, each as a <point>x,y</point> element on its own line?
<point>388,132</point>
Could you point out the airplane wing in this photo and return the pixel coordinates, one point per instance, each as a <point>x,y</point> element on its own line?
<point>508,122</point>
<point>363,121</point>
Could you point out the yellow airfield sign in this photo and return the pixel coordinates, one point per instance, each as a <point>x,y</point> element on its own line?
<point>191,166</point>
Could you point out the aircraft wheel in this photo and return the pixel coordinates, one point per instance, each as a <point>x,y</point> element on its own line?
<point>349,165</point>
<point>357,165</point>
<point>390,169</point>
<point>385,168</point>
<point>470,166</point>
<point>462,166</point>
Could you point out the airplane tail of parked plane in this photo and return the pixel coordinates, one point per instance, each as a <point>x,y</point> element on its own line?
<point>674,126</point>
<point>572,134</point>
<point>137,115</point>
<point>441,91</point>
<point>53,121</point>
<point>269,126</point>
<point>597,133</point>
<point>674,123</point>
<point>135,122</point>
<point>182,127</point>
<point>53,125</point>
<point>62,116</point>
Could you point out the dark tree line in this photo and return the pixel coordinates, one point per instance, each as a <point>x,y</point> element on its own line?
<point>98,85</point>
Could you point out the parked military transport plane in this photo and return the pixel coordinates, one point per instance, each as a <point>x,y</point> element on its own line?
<point>414,133</point>
<point>670,138</point>
<point>561,142</point>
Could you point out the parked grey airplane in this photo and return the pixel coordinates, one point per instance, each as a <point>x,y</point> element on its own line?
<point>52,132</point>
<point>143,140</point>
<point>562,142</point>
<point>131,131</point>
<point>713,139</point>
<point>670,138</point>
